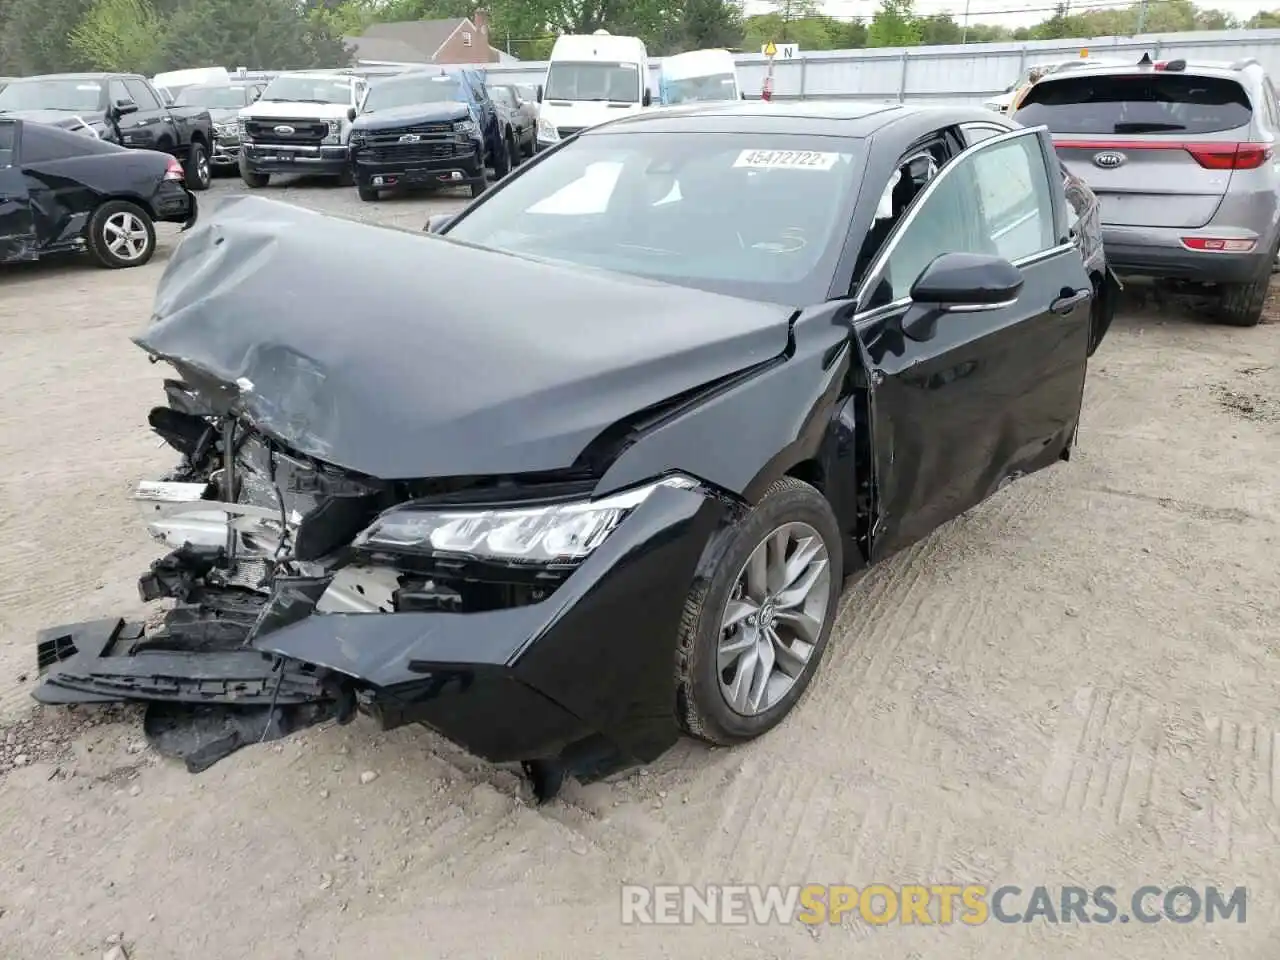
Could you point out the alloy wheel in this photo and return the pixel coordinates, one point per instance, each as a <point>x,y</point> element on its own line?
<point>774,618</point>
<point>126,236</point>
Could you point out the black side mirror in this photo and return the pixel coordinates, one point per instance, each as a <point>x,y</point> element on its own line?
<point>123,108</point>
<point>351,113</point>
<point>742,95</point>
<point>959,283</point>
<point>437,222</point>
<point>646,99</point>
<point>539,93</point>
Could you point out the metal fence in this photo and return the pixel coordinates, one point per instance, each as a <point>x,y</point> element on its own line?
<point>968,73</point>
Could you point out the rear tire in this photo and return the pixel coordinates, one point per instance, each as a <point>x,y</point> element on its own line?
<point>347,178</point>
<point>513,152</point>
<point>199,174</point>
<point>1240,304</point>
<point>705,671</point>
<point>120,234</point>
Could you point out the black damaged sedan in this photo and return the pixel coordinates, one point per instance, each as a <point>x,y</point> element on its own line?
<point>66,192</point>
<point>588,467</point>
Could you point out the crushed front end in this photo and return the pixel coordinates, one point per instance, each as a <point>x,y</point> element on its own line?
<point>524,621</point>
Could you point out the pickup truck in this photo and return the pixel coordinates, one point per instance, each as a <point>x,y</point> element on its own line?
<point>123,108</point>
<point>300,124</point>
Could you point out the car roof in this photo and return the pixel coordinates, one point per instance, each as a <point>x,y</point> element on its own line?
<point>1195,68</point>
<point>841,118</point>
<point>82,76</point>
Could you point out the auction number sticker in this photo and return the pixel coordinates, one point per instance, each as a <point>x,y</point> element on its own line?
<point>787,159</point>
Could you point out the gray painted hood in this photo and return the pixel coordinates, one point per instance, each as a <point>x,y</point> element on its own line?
<point>404,355</point>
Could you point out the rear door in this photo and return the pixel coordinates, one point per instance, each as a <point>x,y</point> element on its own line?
<point>17,232</point>
<point>1158,148</point>
<point>994,392</point>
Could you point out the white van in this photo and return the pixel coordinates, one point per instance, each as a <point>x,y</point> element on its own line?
<point>591,79</point>
<point>697,76</point>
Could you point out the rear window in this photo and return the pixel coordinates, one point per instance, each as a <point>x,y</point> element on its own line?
<point>1156,103</point>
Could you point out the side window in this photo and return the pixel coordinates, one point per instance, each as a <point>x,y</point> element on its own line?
<point>141,94</point>
<point>116,91</point>
<point>977,132</point>
<point>1273,109</point>
<point>996,201</point>
<point>8,140</point>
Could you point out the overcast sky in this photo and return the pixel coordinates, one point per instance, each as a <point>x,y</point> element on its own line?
<point>1010,13</point>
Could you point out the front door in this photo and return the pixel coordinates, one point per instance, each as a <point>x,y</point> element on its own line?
<point>992,393</point>
<point>17,230</point>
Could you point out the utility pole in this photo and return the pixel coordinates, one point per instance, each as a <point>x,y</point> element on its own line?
<point>964,30</point>
<point>1142,16</point>
<point>786,20</point>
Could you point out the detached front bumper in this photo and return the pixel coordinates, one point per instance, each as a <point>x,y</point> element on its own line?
<point>590,665</point>
<point>291,158</point>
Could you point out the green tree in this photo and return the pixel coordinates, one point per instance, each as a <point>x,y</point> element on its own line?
<point>259,34</point>
<point>895,24</point>
<point>1266,20</point>
<point>118,35</point>
<point>940,29</point>
<point>35,36</point>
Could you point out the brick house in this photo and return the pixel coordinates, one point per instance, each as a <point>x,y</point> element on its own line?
<point>457,40</point>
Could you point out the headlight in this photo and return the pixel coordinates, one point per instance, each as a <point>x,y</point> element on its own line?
<point>335,132</point>
<point>225,129</point>
<point>547,130</point>
<point>559,532</point>
<point>465,126</point>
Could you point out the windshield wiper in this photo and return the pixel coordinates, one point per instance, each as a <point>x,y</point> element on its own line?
<point>1154,126</point>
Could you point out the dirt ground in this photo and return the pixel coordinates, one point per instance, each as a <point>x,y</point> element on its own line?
<point>1076,683</point>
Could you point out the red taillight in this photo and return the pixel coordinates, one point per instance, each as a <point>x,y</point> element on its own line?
<point>173,170</point>
<point>1229,156</point>
<point>1212,156</point>
<point>1219,244</point>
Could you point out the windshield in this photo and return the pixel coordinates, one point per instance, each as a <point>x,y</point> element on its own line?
<point>613,82</point>
<point>72,95</point>
<point>751,215</point>
<point>721,86</point>
<point>1136,103</point>
<point>308,90</point>
<point>405,93</point>
<point>213,98</point>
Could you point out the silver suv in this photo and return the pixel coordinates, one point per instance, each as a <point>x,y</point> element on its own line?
<point>1183,159</point>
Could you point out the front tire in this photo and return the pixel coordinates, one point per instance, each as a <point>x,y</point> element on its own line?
<point>199,174</point>
<point>501,161</point>
<point>480,184</point>
<point>368,193</point>
<point>120,234</point>
<point>753,634</point>
<point>252,179</point>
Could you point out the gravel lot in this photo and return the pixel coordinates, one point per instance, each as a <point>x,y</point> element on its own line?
<point>1075,683</point>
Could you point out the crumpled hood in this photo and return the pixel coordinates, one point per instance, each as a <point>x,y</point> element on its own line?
<point>403,355</point>
<point>224,114</point>
<point>416,113</point>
